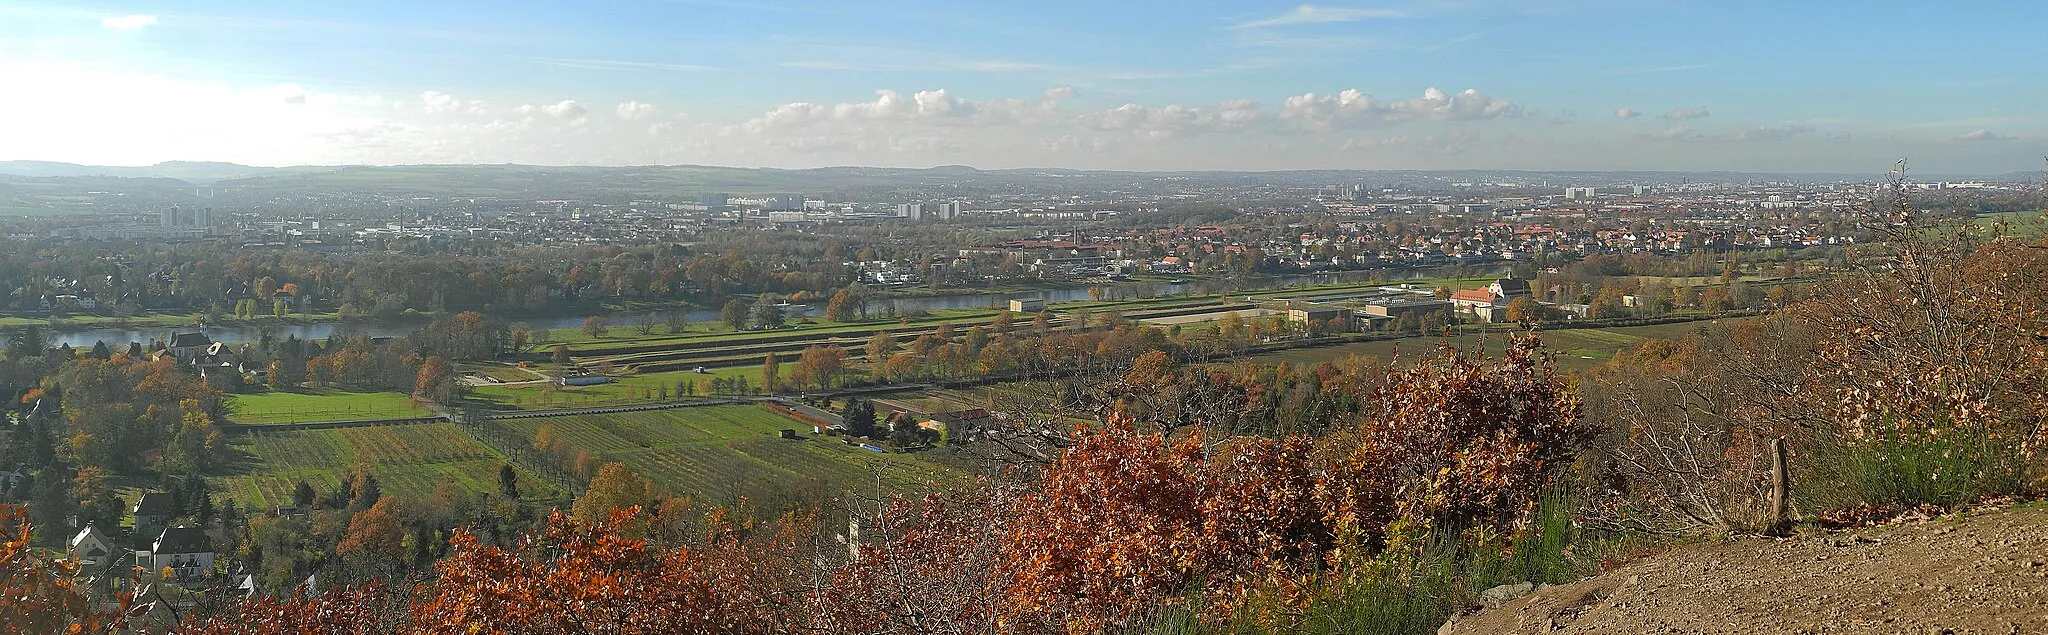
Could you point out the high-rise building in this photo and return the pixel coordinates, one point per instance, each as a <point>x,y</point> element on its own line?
<point>1578,192</point>
<point>169,217</point>
<point>911,211</point>
<point>950,211</point>
<point>202,218</point>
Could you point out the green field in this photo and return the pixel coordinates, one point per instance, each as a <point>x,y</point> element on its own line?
<point>624,389</point>
<point>2020,224</point>
<point>279,406</point>
<point>408,460</point>
<point>721,454</point>
<point>1576,349</point>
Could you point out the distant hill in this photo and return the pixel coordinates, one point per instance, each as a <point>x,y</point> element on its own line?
<point>194,172</point>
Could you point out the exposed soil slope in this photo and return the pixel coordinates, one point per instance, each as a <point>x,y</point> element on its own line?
<point>1983,573</point>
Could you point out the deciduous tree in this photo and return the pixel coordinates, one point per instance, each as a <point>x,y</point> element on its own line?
<point>374,536</point>
<point>41,594</point>
<point>879,346</point>
<point>821,363</point>
<point>436,381</point>
<point>734,314</point>
<point>771,372</point>
<point>614,488</point>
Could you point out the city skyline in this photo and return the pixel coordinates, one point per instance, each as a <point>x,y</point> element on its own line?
<point>1820,87</point>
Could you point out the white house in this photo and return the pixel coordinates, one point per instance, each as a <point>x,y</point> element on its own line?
<point>186,551</point>
<point>92,547</point>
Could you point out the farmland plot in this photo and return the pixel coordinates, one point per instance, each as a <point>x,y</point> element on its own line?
<point>408,460</point>
<point>722,454</point>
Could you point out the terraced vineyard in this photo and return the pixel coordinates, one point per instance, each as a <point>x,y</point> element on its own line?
<point>719,454</point>
<point>406,459</point>
<point>280,406</point>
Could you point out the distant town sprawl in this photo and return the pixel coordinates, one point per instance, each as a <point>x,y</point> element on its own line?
<point>379,242</point>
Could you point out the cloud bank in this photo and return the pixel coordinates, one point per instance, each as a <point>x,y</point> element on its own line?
<point>1686,113</point>
<point>97,115</point>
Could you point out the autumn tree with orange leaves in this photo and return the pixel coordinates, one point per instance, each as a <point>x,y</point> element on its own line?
<point>1130,519</point>
<point>1126,521</point>
<point>38,593</point>
<point>568,578</point>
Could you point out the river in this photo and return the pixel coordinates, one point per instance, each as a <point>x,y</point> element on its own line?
<point>1120,290</point>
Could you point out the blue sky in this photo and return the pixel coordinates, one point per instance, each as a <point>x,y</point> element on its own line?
<point>1560,84</point>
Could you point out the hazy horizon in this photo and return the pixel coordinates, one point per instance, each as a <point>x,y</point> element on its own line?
<point>1209,86</point>
<point>1873,172</point>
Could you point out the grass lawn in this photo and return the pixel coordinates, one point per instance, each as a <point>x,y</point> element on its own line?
<point>320,405</point>
<point>2021,224</point>
<point>500,372</point>
<point>408,460</point>
<point>722,454</point>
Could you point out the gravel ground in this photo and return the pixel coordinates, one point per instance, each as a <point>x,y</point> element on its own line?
<point>1984,572</point>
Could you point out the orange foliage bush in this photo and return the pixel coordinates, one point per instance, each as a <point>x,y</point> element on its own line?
<point>569,578</point>
<point>37,594</point>
<point>1124,522</point>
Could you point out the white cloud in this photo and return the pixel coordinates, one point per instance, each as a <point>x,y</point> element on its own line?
<point>1626,113</point>
<point>1774,133</point>
<point>1980,134</point>
<point>930,107</point>
<point>1172,121</point>
<point>635,109</point>
<point>1356,143</point>
<point>565,109</point>
<point>128,22</point>
<point>1311,14</point>
<point>437,102</point>
<point>94,115</point>
<point>1686,113</point>
<point>1354,107</point>
<point>1071,143</point>
<point>1676,133</point>
<point>106,115</point>
<point>289,93</point>
<point>1456,141</point>
<point>889,119</point>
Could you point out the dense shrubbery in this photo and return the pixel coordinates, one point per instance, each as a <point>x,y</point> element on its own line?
<point>1125,527</point>
<point>1915,382</point>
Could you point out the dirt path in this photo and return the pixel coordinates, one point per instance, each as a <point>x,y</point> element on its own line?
<point>1984,573</point>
